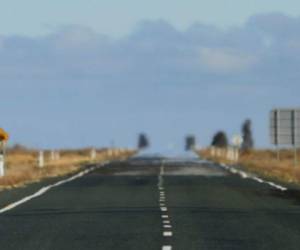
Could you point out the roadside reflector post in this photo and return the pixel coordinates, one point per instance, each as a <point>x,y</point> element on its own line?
<point>41,162</point>
<point>52,155</point>
<point>93,154</point>
<point>4,136</point>
<point>230,153</point>
<point>2,165</point>
<point>237,141</point>
<point>57,155</point>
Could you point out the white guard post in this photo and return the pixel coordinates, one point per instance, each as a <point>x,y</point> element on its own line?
<point>57,155</point>
<point>93,154</point>
<point>41,161</point>
<point>52,156</point>
<point>2,165</point>
<point>237,141</point>
<point>2,152</point>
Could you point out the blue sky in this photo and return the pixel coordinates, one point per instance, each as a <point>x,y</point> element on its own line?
<point>89,74</point>
<point>117,17</point>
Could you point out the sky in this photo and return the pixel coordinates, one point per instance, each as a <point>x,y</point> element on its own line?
<point>118,18</point>
<point>97,73</point>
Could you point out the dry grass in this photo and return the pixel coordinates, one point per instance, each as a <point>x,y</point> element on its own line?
<point>22,166</point>
<point>265,163</point>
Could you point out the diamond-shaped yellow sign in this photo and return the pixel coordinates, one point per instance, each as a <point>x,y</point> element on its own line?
<point>3,135</point>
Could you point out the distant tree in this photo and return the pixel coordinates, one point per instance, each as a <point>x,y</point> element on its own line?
<point>220,140</point>
<point>248,142</point>
<point>143,141</point>
<point>190,142</point>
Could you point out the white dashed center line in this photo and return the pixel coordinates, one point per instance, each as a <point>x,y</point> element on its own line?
<point>168,234</point>
<point>166,224</point>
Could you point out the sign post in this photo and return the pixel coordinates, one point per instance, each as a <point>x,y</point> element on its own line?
<point>285,130</point>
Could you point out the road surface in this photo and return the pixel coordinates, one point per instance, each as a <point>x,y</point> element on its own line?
<point>153,203</point>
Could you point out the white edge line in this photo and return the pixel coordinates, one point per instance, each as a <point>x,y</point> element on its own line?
<point>43,190</point>
<point>245,175</point>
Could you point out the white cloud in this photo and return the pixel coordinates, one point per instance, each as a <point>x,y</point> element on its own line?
<point>219,60</point>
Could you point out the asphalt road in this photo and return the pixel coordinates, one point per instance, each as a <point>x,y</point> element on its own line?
<point>154,204</point>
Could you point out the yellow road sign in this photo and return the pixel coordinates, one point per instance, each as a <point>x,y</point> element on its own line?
<point>3,135</point>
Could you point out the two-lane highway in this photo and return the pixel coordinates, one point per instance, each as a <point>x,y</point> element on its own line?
<point>156,203</point>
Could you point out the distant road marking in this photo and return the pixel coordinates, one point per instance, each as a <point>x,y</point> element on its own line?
<point>166,222</point>
<point>164,216</point>
<point>43,190</point>
<point>249,176</point>
<point>166,248</point>
<point>167,226</point>
<point>164,209</point>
